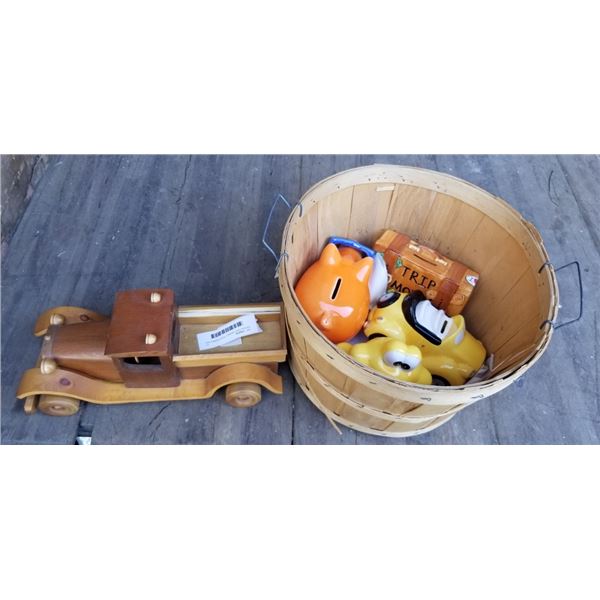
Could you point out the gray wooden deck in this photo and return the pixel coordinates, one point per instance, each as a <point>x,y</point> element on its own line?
<point>94,225</point>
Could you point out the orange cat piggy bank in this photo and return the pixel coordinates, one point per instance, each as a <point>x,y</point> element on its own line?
<point>334,291</point>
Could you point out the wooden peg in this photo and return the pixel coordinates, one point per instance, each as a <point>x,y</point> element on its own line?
<point>47,366</point>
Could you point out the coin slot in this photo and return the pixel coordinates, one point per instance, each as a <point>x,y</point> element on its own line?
<point>336,289</point>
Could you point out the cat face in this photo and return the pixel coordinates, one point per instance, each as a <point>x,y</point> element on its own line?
<point>334,291</point>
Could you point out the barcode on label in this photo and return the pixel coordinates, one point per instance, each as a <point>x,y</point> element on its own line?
<point>225,330</point>
<point>229,333</point>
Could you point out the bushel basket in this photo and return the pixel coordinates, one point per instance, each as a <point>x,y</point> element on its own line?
<point>510,310</point>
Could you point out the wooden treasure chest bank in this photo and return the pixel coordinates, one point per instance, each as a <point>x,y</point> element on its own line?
<point>415,267</point>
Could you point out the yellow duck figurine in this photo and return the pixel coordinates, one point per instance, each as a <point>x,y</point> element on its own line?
<point>450,353</point>
<point>392,357</point>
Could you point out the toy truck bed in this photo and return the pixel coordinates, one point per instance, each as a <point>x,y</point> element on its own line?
<point>266,347</point>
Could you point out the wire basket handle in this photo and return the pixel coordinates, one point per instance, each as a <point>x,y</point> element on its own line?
<point>266,230</point>
<point>554,324</point>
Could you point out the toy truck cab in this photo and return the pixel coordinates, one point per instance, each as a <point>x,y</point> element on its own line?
<point>141,338</point>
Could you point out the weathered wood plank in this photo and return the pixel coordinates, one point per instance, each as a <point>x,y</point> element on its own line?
<point>18,175</point>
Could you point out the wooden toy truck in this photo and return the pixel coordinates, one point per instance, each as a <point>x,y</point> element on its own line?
<point>147,351</point>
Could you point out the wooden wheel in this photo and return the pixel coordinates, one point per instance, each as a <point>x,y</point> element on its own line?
<point>58,406</point>
<point>243,395</point>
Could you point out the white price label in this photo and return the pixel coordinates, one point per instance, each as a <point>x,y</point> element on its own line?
<point>229,334</point>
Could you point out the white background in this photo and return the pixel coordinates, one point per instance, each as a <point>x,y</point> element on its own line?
<point>282,522</point>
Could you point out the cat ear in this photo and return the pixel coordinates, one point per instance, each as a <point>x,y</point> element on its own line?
<point>364,268</point>
<point>330,255</point>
